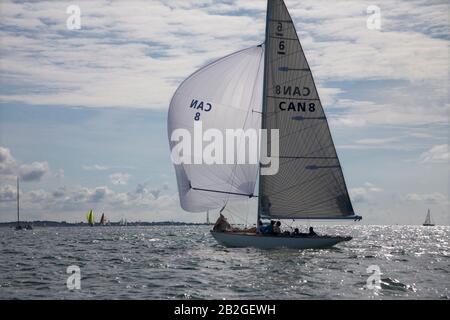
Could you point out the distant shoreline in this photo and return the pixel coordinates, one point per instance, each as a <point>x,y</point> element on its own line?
<point>111,224</point>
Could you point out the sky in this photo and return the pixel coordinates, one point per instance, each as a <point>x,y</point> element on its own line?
<point>83,112</point>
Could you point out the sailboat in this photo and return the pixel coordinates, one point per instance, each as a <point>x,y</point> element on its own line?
<point>90,218</point>
<point>428,222</point>
<point>103,220</point>
<point>18,225</point>
<point>207,217</point>
<point>123,222</point>
<point>267,86</point>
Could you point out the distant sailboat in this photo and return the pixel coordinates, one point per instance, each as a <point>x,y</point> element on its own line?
<point>269,86</point>
<point>19,226</point>
<point>90,218</point>
<point>103,220</point>
<point>207,217</point>
<point>428,222</point>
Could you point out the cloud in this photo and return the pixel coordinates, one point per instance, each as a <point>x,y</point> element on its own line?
<point>429,198</point>
<point>397,110</point>
<point>36,197</point>
<point>7,163</point>
<point>149,44</point>
<point>5,155</point>
<point>59,174</point>
<point>99,194</point>
<point>437,154</point>
<point>74,199</point>
<point>372,188</point>
<point>95,167</point>
<point>10,168</point>
<point>142,190</point>
<point>376,143</point>
<point>33,172</point>
<point>404,142</point>
<point>153,45</point>
<point>119,178</point>
<point>101,167</point>
<point>59,193</point>
<point>7,193</point>
<point>365,193</point>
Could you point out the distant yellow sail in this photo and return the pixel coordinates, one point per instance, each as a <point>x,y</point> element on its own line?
<point>90,217</point>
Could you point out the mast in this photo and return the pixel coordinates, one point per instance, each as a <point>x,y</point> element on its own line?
<point>264,104</point>
<point>207,217</point>
<point>18,212</point>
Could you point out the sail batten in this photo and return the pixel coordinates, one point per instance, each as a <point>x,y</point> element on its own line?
<point>310,182</point>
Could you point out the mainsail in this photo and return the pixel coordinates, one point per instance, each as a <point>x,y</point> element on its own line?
<point>310,182</point>
<point>226,94</point>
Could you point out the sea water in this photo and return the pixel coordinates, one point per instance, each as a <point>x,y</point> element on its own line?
<point>185,262</point>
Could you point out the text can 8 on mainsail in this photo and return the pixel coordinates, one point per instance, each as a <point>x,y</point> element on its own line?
<point>310,182</point>
<point>270,87</point>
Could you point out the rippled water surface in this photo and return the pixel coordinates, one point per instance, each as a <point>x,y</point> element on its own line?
<point>185,262</point>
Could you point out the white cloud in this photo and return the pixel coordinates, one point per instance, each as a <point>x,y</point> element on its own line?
<point>365,193</point>
<point>142,190</point>
<point>34,171</point>
<point>119,178</point>
<point>59,174</point>
<point>372,188</point>
<point>10,168</point>
<point>399,110</point>
<point>429,198</point>
<point>437,154</point>
<point>74,199</point>
<point>7,163</point>
<point>7,193</point>
<point>152,45</point>
<point>96,167</point>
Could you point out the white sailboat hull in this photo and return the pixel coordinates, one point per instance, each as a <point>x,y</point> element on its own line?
<point>234,239</point>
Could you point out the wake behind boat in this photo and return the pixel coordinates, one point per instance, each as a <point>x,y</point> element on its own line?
<point>271,87</point>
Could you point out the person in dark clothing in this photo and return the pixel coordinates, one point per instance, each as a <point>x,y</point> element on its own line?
<point>311,232</point>
<point>222,224</point>
<point>269,228</point>
<point>296,232</point>
<point>277,228</point>
<point>261,227</point>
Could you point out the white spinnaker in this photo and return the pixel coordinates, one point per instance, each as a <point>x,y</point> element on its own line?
<point>233,87</point>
